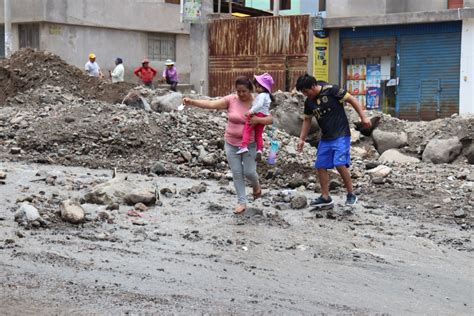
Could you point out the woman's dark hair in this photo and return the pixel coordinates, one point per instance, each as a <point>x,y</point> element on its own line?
<point>244,81</point>
<point>272,98</point>
<point>305,82</point>
<point>119,60</point>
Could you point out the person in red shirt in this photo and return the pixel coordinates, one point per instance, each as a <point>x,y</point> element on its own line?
<point>146,73</point>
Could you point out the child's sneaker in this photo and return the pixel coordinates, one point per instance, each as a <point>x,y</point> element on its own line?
<point>351,199</point>
<point>259,156</point>
<point>242,150</point>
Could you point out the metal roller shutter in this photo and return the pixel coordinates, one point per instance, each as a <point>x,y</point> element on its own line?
<point>429,75</point>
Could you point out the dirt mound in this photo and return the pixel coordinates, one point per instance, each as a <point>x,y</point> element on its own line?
<point>30,69</point>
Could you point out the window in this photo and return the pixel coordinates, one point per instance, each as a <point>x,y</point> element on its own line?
<point>322,5</point>
<point>161,46</point>
<point>284,4</point>
<point>172,1</point>
<point>29,35</point>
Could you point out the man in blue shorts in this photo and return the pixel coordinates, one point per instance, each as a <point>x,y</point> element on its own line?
<point>326,103</point>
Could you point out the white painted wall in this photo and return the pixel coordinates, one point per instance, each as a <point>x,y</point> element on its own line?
<point>466,103</point>
<point>74,43</point>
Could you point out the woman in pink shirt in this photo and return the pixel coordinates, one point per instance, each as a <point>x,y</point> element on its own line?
<point>243,165</point>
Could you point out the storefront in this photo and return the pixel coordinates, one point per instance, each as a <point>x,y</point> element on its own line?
<point>410,71</point>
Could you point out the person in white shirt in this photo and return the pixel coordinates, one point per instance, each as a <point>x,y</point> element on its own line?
<point>118,72</point>
<point>92,67</point>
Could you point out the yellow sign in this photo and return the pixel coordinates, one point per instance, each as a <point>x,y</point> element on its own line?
<point>321,58</point>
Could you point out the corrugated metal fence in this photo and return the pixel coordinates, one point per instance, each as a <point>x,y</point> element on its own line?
<point>247,46</point>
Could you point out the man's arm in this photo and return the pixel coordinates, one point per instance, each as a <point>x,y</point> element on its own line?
<point>358,107</point>
<point>137,71</point>
<point>304,132</point>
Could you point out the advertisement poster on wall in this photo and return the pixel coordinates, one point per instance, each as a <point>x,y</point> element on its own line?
<point>321,56</point>
<point>374,77</point>
<point>191,10</point>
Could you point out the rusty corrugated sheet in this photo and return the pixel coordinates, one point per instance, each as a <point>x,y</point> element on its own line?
<point>277,45</point>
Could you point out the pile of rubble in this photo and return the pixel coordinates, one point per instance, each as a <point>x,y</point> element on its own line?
<point>30,69</point>
<point>53,120</point>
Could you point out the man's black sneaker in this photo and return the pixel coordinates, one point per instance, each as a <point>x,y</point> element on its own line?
<point>320,202</point>
<point>351,199</point>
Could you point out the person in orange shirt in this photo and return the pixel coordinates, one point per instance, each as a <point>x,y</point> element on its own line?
<point>146,73</point>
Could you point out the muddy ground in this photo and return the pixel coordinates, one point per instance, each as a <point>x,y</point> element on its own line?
<point>194,256</point>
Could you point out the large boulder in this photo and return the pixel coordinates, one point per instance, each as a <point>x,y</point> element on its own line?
<point>108,192</point>
<point>167,103</point>
<point>442,150</point>
<point>384,140</point>
<point>288,116</point>
<point>144,196</point>
<point>469,153</point>
<point>393,155</point>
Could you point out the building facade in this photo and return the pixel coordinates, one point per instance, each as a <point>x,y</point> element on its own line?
<point>130,29</point>
<point>410,58</point>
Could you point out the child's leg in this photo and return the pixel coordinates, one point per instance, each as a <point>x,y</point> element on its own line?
<point>246,135</point>
<point>259,128</point>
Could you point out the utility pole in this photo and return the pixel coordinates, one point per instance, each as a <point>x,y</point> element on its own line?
<point>276,7</point>
<point>8,29</point>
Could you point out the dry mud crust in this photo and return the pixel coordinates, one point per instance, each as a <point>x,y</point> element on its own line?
<point>194,256</point>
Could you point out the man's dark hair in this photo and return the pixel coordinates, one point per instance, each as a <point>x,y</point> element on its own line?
<point>244,81</point>
<point>305,82</point>
<point>119,60</point>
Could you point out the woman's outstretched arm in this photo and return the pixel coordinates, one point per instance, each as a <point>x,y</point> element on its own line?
<point>220,104</point>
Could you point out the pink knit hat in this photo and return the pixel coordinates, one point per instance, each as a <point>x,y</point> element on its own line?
<point>265,80</point>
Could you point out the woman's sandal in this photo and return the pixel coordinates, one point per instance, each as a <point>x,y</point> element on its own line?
<point>239,209</point>
<point>257,192</point>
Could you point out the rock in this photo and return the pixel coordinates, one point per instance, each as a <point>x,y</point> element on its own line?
<point>371,165</point>
<point>288,118</point>
<point>113,207</point>
<point>186,155</point>
<point>72,212</point>
<point>104,215</point>
<point>331,215</point>
<point>378,180</point>
<point>334,184</point>
<point>158,168</point>
<point>299,202</point>
<point>296,181</point>
<point>469,153</point>
<point>167,103</point>
<point>108,192</point>
<point>140,196</point>
<point>209,160</point>
<point>393,155</point>
<point>201,188</point>
<point>282,207</point>
<point>459,213</point>
<point>15,150</point>
<point>27,212</point>
<point>380,171</point>
<point>3,175</point>
<point>141,207</point>
<point>442,150</point>
<point>387,140</point>
<point>139,222</point>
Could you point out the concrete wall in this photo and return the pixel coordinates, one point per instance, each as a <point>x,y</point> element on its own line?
<point>74,43</point>
<point>145,15</point>
<point>346,8</point>
<point>466,103</point>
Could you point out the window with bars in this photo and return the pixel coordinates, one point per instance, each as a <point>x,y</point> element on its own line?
<point>161,46</point>
<point>172,1</point>
<point>29,35</point>
<point>2,42</point>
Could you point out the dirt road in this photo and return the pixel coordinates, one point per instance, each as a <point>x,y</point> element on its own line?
<point>193,256</point>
